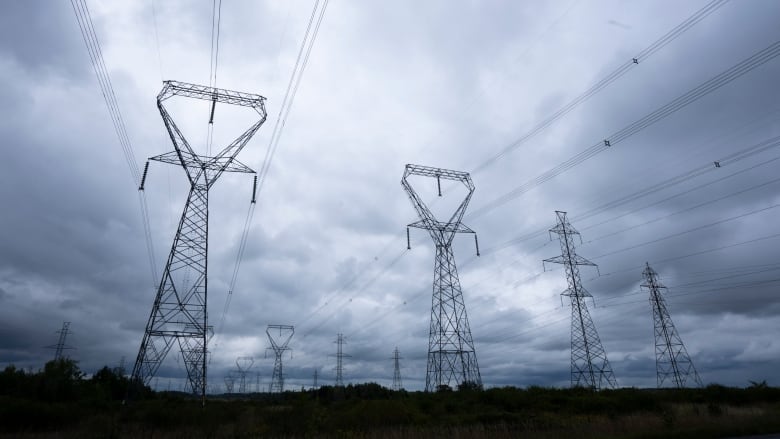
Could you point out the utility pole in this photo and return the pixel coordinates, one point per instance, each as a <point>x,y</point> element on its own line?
<point>179,311</point>
<point>452,359</point>
<point>673,365</point>
<point>279,344</point>
<point>589,364</point>
<point>397,384</point>
<point>340,355</point>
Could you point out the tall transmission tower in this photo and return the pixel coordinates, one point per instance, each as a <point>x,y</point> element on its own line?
<point>589,364</point>
<point>243,364</point>
<point>452,358</point>
<point>279,345</point>
<point>61,346</point>
<point>673,365</point>
<point>179,312</point>
<point>397,383</point>
<point>340,355</point>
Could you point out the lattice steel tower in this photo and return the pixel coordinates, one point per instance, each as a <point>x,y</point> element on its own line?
<point>452,358</point>
<point>397,383</point>
<point>340,360</point>
<point>279,345</point>
<point>243,364</point>
<point>61,346</point>
<point>672,363</point>
<point>179,312</point>
<point>589,364</point>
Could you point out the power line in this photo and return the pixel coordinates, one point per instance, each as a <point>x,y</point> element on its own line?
<point>84,20</point>
<point>707,87</point>
<point>642,56</point>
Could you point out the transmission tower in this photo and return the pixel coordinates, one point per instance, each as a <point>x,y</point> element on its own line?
<point>397,384</point>
<point>61,346</point>
<point>230,381</point>
<point>179,312</point>
<point>279,345</point>
<point>672,362</point>
<point>451,354</point>
<point>314,386</point>
<point>589,364</point>
<point>340,355</point>
<point>243,364</point>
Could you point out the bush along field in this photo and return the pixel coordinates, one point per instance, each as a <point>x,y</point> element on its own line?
<point>60,401</point>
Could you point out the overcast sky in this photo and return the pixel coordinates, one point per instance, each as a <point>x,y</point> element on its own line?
<point>437,83</point>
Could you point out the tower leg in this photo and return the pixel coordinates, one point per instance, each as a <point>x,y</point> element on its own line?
<point>179,310</point>
<point>452,360</point>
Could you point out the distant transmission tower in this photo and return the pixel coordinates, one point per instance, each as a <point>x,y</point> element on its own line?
<point>673,365</point>
<point>279,346</point>
<point>243,364</point>
<point>179,312</point>
<point>339,360</point>
<point>61,346</point>
<point>452,358</point>
<point>314,386</point>
<point>397,384</point>
<point>589,364</point>
<point>230,381</point>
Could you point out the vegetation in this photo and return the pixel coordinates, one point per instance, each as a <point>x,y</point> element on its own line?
<point>59,401</point>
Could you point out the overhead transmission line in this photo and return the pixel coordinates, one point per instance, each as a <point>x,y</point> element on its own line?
<point>643,55</point>
<point>310,36</point>
<point>621,70</point>
<point>698,171</point>
<point>707,87</point>
<point>84,19</point>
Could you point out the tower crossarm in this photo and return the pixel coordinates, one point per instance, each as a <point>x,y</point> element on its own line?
<point>205,169</point>
<point>441,226</point>
<point>221,95</point>
<point>571,259</point>
<point>427,220</point>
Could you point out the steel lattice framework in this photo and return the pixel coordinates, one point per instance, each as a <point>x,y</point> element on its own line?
<point>452,358</point>
<point>589,364</point>
<point>673,365</point>
<point>61,346</point>
<point>279,346</point>
<point>179,312</point>
<point>243,364</point>
<point>397,383</point>
<point>340,360</point>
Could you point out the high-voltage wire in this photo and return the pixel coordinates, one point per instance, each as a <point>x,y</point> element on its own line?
<point>84,19</point>
<point>642,56</point>
<point>707,87</point>
<point>697,171</point>
<point>693,229</point>
<point>690,208</point>
<point>301,61</point>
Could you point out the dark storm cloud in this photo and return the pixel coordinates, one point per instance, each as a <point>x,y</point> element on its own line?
<point>42,38</point>
<point>430,83</point>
